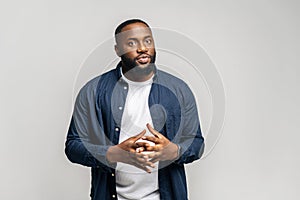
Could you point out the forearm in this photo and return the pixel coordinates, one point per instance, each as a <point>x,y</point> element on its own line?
<point>171,151</point>
<point>89,155</point>
<point>190,150</point>
<point>114,154</point>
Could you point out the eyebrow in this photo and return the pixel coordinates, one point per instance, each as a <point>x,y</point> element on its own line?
<point>148,36</point>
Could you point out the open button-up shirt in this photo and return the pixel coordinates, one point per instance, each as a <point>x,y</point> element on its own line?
<point>96,122</point>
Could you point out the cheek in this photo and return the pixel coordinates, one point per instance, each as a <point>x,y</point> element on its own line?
<point>128,51</point>
<point>152,51</point>
<point>131,55</point>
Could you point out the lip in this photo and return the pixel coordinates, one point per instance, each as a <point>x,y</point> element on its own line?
<point>143,56</point>
<point>143,59</point>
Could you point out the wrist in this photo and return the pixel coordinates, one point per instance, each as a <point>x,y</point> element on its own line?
<point>112,154</point>
<point>175,151</point>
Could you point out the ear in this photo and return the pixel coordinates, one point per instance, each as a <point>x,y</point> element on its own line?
<point>117,50</point>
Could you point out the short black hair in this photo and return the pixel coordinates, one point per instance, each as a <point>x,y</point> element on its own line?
<point>127,22</point>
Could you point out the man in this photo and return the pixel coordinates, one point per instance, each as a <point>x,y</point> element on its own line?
<point>135,126</point>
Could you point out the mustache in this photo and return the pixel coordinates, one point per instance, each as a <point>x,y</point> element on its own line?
<point>144,55</point>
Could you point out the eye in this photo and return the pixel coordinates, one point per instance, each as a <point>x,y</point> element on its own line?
<point>131,43</point>
<point>148,41</point>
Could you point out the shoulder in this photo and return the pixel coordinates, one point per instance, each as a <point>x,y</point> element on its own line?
<point>90,88</point>
<point>175,84</point>
<point>108,76</point>
<point>169,78</point>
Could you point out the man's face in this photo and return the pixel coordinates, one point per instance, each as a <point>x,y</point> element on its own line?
<point>135,46</point>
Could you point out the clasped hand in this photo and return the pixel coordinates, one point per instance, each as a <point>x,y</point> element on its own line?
<point>131,150</point>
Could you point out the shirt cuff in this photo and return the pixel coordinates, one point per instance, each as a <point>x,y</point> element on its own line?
<point>178,152</point>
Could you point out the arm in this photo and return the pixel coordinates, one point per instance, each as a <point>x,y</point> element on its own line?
<point>88,145</point>
<point>189,136</point>
<point>182,141</point>
<point>80,150</point>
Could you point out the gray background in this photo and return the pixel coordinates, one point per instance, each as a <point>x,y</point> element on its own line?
<point>254,44</point>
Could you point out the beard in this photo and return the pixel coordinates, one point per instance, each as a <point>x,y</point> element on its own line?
<point>132,66</point>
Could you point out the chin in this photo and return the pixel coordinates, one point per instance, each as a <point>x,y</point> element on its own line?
<point>144,69</point>
<point>142,65</point>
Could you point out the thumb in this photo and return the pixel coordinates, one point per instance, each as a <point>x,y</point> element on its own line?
<point>152,130</point>
<point>141,134</point>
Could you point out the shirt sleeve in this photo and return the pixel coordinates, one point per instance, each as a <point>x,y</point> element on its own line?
<point>86,143</point>
<point>189,138</point>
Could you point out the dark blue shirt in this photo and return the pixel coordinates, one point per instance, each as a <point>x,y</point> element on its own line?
<point>96,122</point>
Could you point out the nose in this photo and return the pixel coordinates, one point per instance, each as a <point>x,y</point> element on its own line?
<point>142,48</point>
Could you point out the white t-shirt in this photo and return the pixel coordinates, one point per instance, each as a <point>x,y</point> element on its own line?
<point>132,182</point>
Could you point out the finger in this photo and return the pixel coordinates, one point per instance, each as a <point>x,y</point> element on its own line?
<point>145,163</point>
<point>142,144</point>
<point>131,150</point>
<point>139,149</point>
<point>153,148</point>
<point>137,155</point>
<point>141,158</point>
<point>154,160</point>
<point>153,131</point>
<point>150,164</point>
<point>154,157</point>
<point>146,169</point>
<point>138,136</point>
<point>151,139</point>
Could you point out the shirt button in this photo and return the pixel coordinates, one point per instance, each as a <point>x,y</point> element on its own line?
<point>113,196</point>
<point>116,129</point>
<point>120,108</point>
<point>112,174</point>
<point>125,87</point>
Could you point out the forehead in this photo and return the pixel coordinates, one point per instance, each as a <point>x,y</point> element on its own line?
<point>135,30</point>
